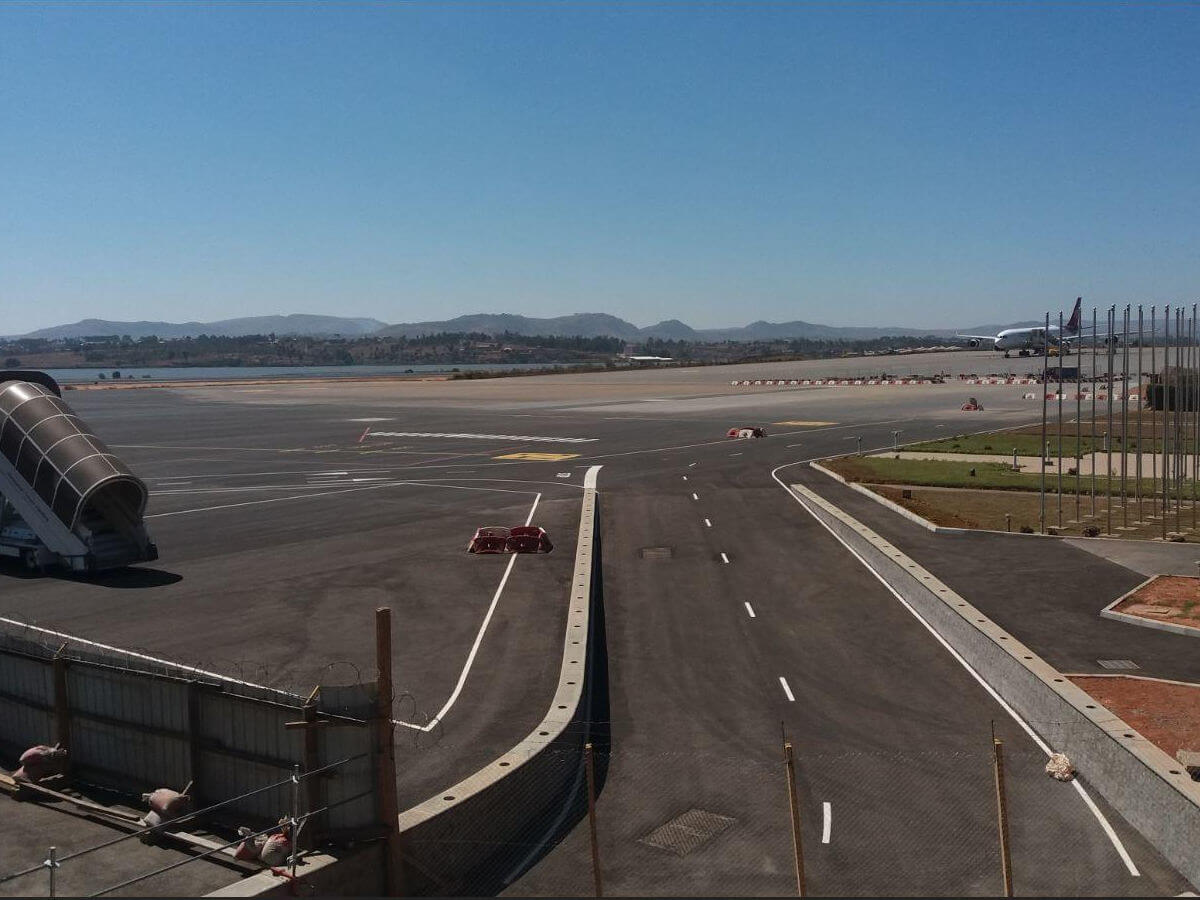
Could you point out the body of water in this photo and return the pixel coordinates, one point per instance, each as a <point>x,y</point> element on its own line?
<point>232,373</point>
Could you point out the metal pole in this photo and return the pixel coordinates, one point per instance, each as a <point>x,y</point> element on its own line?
<point>1112,327</point>
<point>1045,379</point>
<point>1078,429</point>
<point>293,825</point>
<point>1125,420</point>
<point>1178,479</point>
<point>793,802</point>
<point>389,809</point>
<point>52,864</point>
<point>1153,409</point>
<point>1094,453</point>
<point>1163,395</point>
<point>1060,404</point>
<point>1195,411</point>
<point>1002,815</point>
<point>1141,394</point>
<point>591,784</point>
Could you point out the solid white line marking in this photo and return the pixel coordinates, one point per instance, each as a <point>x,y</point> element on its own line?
<point>466,669</point>
<point>790,446</point>
<point>724,559</point>
<point>707,523</point>
<point>1042,745</point>
<point>319,474</point>
<point>172,483</point>
<point>369,419</point>
<point>485,437</point>
<point>695,496</point>
<point>827,825</point>
<point>787,690</point>
<point>749,609</point>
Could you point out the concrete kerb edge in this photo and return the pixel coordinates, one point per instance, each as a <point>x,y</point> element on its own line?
<point>1110,612</point>
<point>1136,777</point>
<point>426,829</point>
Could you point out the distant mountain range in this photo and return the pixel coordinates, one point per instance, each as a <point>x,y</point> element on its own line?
<point>294,324</point>
<point>578,324</point>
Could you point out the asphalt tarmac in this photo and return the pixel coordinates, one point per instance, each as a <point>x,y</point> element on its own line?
<point>730,614</point>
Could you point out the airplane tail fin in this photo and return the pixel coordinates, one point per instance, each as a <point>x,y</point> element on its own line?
<point>1072,326</point>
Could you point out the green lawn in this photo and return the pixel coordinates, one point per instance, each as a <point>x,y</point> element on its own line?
<point>993,476</point>
<point>1030,444</point>
<point>1003,442</point>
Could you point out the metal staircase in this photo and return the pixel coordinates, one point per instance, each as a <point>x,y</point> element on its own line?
<point>65,498</point>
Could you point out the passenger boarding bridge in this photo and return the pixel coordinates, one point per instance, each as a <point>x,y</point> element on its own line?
<point>65,498</point>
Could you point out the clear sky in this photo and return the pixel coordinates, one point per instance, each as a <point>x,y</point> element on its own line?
<point>894,164</point>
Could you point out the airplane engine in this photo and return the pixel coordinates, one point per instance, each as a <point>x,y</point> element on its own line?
<point>973,343</point>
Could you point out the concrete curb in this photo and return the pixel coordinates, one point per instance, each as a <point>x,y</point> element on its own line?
<point>1142,783</point>
<point>476,837</point>
<point>1110,612</point>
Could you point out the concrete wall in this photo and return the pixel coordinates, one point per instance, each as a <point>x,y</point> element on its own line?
<point>479,835</point>
<point>1142,783</point>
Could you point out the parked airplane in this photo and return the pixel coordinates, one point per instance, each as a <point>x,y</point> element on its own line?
<point>1036,340</point>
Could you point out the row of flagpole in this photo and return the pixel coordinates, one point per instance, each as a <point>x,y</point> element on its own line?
<point>1176,444</point>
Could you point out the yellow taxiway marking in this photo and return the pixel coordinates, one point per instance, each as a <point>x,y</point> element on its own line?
<point>803,424</point>
<point>538,457</point>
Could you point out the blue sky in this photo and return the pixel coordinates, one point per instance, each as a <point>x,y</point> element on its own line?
<point>903,163</point>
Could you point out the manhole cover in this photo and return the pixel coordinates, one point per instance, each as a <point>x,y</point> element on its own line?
<point>1117,664</point>
<point>688,831</point>
<point>657,553</point>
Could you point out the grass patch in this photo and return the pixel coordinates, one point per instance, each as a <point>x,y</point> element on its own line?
<point>1021,510</point>
<point>957,474</point>
<point>1004,442</point>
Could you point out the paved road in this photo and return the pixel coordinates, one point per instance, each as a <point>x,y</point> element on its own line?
<point>890,731</point>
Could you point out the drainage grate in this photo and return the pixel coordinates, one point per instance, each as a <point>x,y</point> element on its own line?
<point>1117,664</point>
<point>657,552</point>
<point>687,832</point>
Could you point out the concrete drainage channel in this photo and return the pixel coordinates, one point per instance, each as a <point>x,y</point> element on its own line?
<point>478,836</point>
<point>1139,780</point>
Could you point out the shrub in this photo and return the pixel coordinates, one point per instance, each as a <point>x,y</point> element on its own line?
<point>1026,529</point>
<point>1091,531</point>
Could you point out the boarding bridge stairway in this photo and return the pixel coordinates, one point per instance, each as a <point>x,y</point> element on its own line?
<point>65,498</point>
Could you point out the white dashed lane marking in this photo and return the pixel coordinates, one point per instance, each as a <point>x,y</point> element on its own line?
<point>787,690</point>
<point>749,609</point>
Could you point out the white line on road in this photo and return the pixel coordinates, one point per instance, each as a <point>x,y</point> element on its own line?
<point>695,496</point>
<point>707,523</point>
<point>787,690</point>
<point>172,483</point>
<point>1042,745</point>
<point>749,609</point>
<point>790,446</point>
<point>466,670</point>
<point>685,478</point>
<point>827,813</point>
<point>485,437</point>
<point>690,465</point>
<point>724,559</point>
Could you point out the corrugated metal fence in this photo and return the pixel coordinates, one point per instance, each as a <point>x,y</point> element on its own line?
<point>133,724</point>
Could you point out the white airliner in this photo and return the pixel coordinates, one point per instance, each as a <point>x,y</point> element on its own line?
<point>1034,340</point>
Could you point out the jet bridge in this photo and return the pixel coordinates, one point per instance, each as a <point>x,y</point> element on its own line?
<point>65,498</point>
